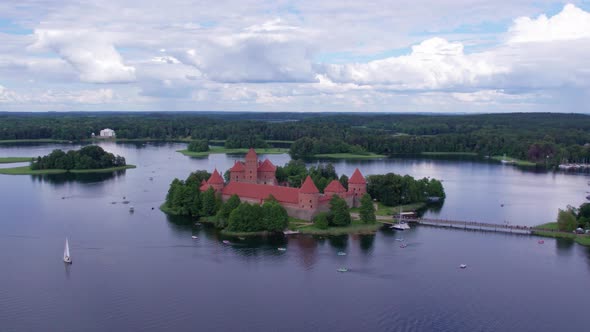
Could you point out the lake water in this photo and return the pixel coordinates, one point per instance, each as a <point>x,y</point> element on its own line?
<point>143,271</point>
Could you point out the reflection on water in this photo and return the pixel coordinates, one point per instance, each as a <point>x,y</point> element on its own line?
<point>151,275</point>
<point>87,178</point>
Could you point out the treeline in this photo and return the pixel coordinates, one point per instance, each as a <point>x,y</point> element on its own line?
<point>393,189</point>
<point>543,138</point>
<point>88,157</point>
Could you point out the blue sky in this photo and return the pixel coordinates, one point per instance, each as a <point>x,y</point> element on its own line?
<point>376,56</point>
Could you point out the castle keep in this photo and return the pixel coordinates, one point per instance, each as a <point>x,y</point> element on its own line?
<point>254,181</point>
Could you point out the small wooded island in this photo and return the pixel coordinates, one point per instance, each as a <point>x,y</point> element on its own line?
<point>89,159</point>
<point>256,197</point>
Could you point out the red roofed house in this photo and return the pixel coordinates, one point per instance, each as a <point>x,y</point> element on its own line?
<point>254,181</point>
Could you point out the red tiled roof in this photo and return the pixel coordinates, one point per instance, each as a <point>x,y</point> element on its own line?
<point>357,178</point>
<point>238,167</point>
<point>267,166</point>
<point>335,187</point>
<point>308,187</point>
<point>215,178</point>
<point>262,191</point>
<point>251,154</point>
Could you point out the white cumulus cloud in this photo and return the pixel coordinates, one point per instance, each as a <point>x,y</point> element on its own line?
<point>90,53</point>
<point>433,64</point>
<point>570,24</point>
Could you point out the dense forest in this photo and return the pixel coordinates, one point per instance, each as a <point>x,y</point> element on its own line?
<point>88,157</point>
<point>544,138</point>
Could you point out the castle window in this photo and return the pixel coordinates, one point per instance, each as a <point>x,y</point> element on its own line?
<point>310,200</point>
<point>311,206</point>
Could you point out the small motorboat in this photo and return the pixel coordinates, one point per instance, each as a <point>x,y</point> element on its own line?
<point>67,256</point>
<point>241,238</point>
<point>290,232</point>
<point>540,242</point>
<point>194,237</point>
<point>226,242</point>
<point>282,249</point>
<point>198,224</point>
<point>403,245</point>
<point>399,239</point>
<point>463,266</point>
<point>341,253</point>
<point>342,269</point>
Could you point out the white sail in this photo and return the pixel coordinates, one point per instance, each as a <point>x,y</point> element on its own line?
<point>67,257</point>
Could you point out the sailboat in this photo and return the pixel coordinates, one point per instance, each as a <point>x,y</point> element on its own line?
<point>67,257</point>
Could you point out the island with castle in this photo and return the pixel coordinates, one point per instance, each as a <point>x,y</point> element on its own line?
<point>253,181</point>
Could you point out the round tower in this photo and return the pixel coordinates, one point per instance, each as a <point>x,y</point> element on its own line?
<point>309,195</point>
<point>357,187</point>
<point>216,181</point>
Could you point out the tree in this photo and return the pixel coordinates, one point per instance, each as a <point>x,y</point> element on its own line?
<point>321,220</point>
<point>208,203</point>
<point>199,146</point>
<point>566,221</point>
<point>367,210</point>
<point>246,218</point>
<point>226,209</point>
<point>195,178</point>
<point>275,218</point>
<point>339,210</point>
<point>344,181</point>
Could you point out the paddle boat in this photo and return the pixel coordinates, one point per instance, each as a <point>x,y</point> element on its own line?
<point>463,266</point>
<point>342,269</point>
<point>194,237</point>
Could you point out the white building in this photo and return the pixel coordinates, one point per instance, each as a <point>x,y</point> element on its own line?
<point>107,133</point>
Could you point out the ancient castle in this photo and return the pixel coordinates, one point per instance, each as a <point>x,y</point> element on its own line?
<point>254,181</point>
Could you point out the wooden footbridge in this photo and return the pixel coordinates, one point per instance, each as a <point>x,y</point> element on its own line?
<point>468,225</point>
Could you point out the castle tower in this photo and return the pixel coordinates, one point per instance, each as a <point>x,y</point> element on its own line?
<point>216,181</point>
<point>266,173</point>
<point>309,195</point>
<point>237,172</point>
<point>335,188</point>
<point>251,167</point>
<point>357,187</point>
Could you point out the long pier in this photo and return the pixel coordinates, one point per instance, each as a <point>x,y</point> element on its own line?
<point>469,225</point>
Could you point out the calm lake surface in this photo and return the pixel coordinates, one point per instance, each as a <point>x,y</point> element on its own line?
<point>143,271</point>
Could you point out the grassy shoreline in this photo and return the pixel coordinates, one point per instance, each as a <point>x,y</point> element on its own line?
<point>10,160</point>
<point>553,232</point>
<point>369,155</point>
<point>215,150</point>
<point>26,170</point>
<point>514,161</point>
<point>356,227</point>
<point>40,140</point>
<point>471,154</point>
